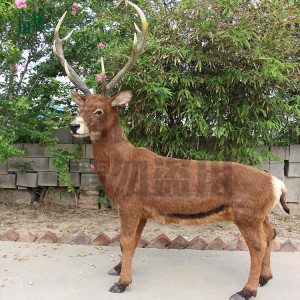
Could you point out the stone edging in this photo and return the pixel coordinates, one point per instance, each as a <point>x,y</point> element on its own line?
<point>162,241</point>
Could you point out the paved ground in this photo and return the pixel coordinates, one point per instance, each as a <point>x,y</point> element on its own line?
<point>59,272</point>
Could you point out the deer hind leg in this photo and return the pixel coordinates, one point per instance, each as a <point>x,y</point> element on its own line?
<point>255,238</point>
<point>131,229</point>
<point>116,271</point>
<point>266,273</point>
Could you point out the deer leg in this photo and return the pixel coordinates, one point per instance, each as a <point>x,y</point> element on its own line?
<point>266,273</point>
<point>129,226</point>
<point>255,238</point>
<point>116,271</point>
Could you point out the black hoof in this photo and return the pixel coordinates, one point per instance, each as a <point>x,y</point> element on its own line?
<point>115,271</point>
<point>263,280</point>
<point>118,288</point>
<point>237,297</point>
<point>242,295</point>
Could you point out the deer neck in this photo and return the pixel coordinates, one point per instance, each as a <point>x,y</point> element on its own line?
<point>110,147</point>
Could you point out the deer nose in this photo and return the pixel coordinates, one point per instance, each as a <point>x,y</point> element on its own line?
<point>74,127</point>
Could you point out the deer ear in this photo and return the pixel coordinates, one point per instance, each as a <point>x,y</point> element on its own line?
<point>122,99</point>
<point>77,98</point>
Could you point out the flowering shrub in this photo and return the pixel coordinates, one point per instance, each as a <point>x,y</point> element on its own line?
<point>98,77</point>
<point>101,46</point>
<point>21,3</point>
<point>75,7</point>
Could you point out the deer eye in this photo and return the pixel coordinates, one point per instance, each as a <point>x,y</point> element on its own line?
<point>99,112</point>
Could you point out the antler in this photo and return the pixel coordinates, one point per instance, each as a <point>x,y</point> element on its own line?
<point>138,47</point>
<point>59,53</point>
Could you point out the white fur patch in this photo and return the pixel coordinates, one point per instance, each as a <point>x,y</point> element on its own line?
<point>278,187</point>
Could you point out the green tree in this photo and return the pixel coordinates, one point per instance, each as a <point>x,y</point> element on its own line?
<point>226,80</point>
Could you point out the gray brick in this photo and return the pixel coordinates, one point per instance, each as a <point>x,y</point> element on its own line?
<point>89,181</point>
<point>75,177</point>
<point>294,169</point>
<point>52,167</point>
<point>81,239</point>
<point>293,187</point>
<point>281,152</point>
<point>277,169</point>
<point>89,151</point>
<point>47,179</point>
<point>14,196</point>
<point>8,181</point>
<point>59,196</point>
<point>63,135</point>
<point>88,202</point>
<point>3,168</point>
<point>28,164</point>
<point>71,148</point>
<point>81,166</point>
<point>33,150</point>
<point>27,179</point>
<point>294,153</point>
<point>80,140</point>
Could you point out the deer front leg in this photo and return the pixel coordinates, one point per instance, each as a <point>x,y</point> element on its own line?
<point>129,226</point>
<point>116,271</point>
<point>125,275</point>
<point>257,244</point>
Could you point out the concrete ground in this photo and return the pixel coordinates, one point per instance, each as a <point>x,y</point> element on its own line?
<point>49,271</point>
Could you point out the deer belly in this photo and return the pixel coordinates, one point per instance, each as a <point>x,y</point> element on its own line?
<point>219,213</point>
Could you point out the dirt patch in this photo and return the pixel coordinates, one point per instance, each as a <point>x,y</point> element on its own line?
<point>61,221</point>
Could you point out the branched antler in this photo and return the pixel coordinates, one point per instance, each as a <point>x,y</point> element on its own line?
<point>138,47</point>
<point>59,53</point>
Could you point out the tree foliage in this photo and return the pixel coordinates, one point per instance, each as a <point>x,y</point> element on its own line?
<point>218,79</point>
<point>226,80</point>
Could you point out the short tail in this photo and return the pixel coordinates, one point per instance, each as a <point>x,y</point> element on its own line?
<point>283,202</point>
<point>280,192</point>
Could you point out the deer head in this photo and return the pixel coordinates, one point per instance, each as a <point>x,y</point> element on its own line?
<point>99,112</point>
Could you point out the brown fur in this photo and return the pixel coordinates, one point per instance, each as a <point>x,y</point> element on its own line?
<point>145,185</point>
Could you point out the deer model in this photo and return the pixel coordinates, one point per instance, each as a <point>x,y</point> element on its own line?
<point>145,185</point>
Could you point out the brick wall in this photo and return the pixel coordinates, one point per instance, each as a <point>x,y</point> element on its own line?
<point>37,169</point>
<point>288,169</point>
<point>40,170</point>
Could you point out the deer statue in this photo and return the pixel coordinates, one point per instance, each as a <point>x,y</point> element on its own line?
<point>144,185</point>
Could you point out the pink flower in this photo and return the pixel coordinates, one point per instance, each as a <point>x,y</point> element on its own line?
<point>99,77</point>
<point>101,46</point>
<point>92,167</point>
<point>101,14</point>
<point>75,5</point>
<point>21,3</point>
<point>73,12</point>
